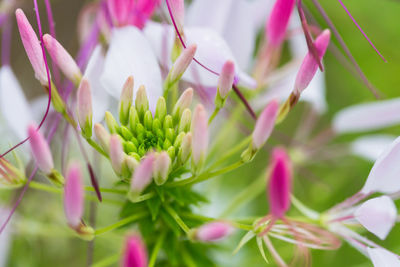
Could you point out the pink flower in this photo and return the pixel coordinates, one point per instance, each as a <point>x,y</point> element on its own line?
<point>310,66</point>
<point>63,59</point>
<point>32,47</point>
<point>199,130</point>
<point>161,168</point>
<point>182,63</point>
<point>142,176</point>
<point>117,155</point>
<point>73,195</point>
<point>84,108</point>
<point>226,78</point>
<point>40,150</point>
<point>135,252</point>
<point>213,231</point>
<point>178,10</point>
<point>279,187</point>
<point>265,124</point>
<point>278,21</point>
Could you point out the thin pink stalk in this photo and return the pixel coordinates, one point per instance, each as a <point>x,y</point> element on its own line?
<point>361,30</point>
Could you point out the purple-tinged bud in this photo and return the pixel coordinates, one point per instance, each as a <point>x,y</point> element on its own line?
<point>161,168</point>
<point>135,252</point>
<point>40,150</point>
<point>63,59</point>
<point>117,155</point>
<point>279,187</point>
<point>226,78</point>
<point>199,130</point>
<point>183,103</point>
<point>278,21</point>
<point>32,47</point>
<point>142,177</point>
<point>214,231</point>
<point>265,124</point>
<point>182,63</point>
<point>84,109</point>
<point>73,196</point>
<point>310,66</point>
<point>178,10</point>
<point>103,137</point>
<point>185,149</point>
<point>126,101</point>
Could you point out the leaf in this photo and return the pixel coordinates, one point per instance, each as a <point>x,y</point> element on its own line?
<point>130,208</point>
<point>170,222</point>
<point>246,238</point>
<point>154,207</point>
<point>261,248</point>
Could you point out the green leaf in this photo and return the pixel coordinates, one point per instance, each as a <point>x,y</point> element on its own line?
<point>170,222</point>
<point>154,207</point>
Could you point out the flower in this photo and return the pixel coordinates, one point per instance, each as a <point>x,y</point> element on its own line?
<point>199,131</point>
<point>135,253</point>
<point>40,150</point>
<point>213,231</point>
<point>73,195</point>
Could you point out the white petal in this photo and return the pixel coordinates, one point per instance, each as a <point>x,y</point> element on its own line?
<point>383,258</point>
<point>377,215</point>
<point>38,107</point>
<point>130,53</point>
<point>100,98</point>
<point>13,104</point>
<point>370,147</point>
<point>5,238</point>
<point>384,176</point>
<point>366,117</point>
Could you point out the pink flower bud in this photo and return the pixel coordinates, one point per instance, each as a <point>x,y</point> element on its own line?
<point>178,10</point>
<point>32,47</point>
<point>279,187</point>
<point>117,154</point>
<point>40,150</point>
<point>310,66</point>
<point>183,102</point>
<point>278,21</point>
<point>126,100</point>
<point>265,124</point>
<point>213,231</point>
<point>161,168</point>
<point>182,63</point>
<point>120,11</point>
<point>84,110</point>
<point>199,130</point>
<point>73,195</point>
<point>135,253</point>
<point>103,137</point>
<point>63,59</point>
<point>142,176</point>
<point>226,79</point>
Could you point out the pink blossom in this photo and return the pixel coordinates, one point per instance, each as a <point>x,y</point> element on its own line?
<point>143,175</point>
<point>40,150</point>
<point>199,130</point>
<point>226,78</point>
<point>117,154</point>
<point>213,231</point>
<point>73,195</point>
<point>135,252</point>
<point>265,124</point>
<point>278,21</point>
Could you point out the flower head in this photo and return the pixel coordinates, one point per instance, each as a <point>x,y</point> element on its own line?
<point>135,252</point>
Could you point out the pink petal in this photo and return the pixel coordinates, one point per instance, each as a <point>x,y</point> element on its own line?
<point>73,195</point>
<point>135,252</point>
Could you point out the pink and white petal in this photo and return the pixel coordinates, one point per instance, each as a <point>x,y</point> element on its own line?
<point>14,106</point>
<point>129,54</point>
<point>383,258</point>
<point>367,117</point>
<point>100,97</point>
<point>377,215</point>
<point>384,175</point>
<point>370,147</point>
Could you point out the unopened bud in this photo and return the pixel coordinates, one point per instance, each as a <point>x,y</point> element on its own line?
<point>126,101</point>
<point>117,155</point>
<point>111,122</point>
<point>103,137</point>
<point>183,103</point>
<point>63,59</point>
<point>142,177</point>
<point>178,9</point>
<point>135,253</point>
<point>85,114</point>
<point>211,232</point>
<point>10,176</point>
<point>141,102</point>
<point>161,109</point>
<point>278,21</point>
<point>40,150</point>
<point>73,196</point>
<point>161,168</point>
<point>185,149</point>
<point>184,123</point>
<point>226,78</point>
<point>199,130</point>
<point>181,64</point>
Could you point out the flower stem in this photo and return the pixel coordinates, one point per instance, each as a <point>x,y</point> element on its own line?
<point>93,144</point>
<point>231,152</point>
<point>177,219</point>
<point>120,223</point>
<point>156,249</point>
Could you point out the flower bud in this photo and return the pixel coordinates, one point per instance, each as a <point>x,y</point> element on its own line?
<point>185,149</point>
<point>141,102</point>
<point>265,124</point>
<point>32,47</point>
<point>73,196</point>
<point>63,59</point>
<point>40,150</point>
<point>85,114</point>
<point>111,122</point>
<point>213,231</point>
<point>181,64</point>
<point>161,168</point>
<point>126,101</point>
<point>183,103</point>
<point>199,130</point>
<point>226,78</point>
<point>184,123</point>
<point>142,177</point>
<point>135,253</point>
<point>178,10</point>
<point>161,109</point>
<point>117,155</point>
<point>278,21</point>
<point>10,176</point>
<point>310,66</point>
<point>279,187</point>
<point>103,137</point>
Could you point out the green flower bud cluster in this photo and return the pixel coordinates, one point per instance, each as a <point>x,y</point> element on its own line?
<point>141,132</point>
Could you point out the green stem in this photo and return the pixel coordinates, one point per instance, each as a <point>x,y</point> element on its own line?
<point>108,261</point>
<point>120,223</point>
<point>177,219</point>
<point>156,249</point>
<point>106,190</point>
<point>96,146</point>
<point>205,176</point>
<point>213,115</point>
<point>144,197</point>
